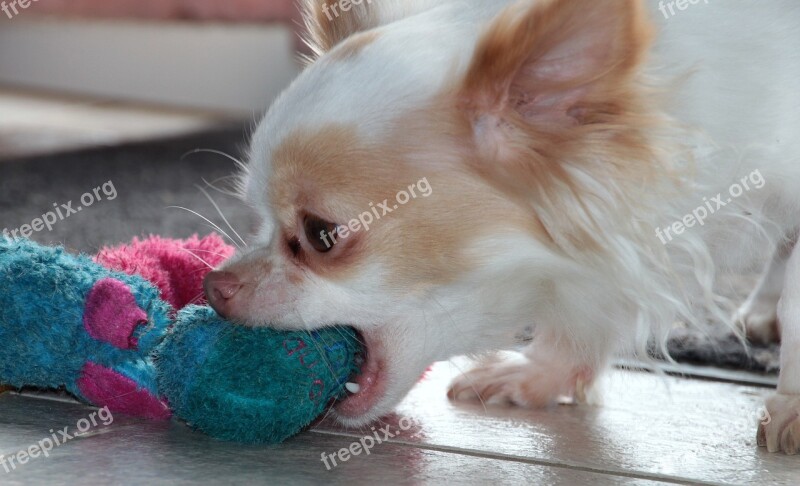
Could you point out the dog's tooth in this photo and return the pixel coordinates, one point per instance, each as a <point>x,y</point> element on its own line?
<point>352,387</point>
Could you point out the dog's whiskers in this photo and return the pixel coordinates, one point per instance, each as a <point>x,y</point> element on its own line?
<point>203,261</point>
<point>213,151</point>
<point>213,225</point>
<point>209,252</point>
<point>216,206</point>
<point>229,193</point>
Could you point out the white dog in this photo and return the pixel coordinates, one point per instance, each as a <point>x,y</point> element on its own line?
<point>583,161</point>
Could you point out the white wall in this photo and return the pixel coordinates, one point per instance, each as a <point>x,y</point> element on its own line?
<point>226,67</point>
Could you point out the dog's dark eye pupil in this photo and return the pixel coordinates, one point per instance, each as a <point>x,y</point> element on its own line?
<point>321,234</point>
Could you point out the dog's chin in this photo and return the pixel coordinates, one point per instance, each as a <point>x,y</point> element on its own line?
<point>385,377</point>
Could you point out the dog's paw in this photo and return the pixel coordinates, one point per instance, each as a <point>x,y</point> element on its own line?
<point>780,431</point>
<point>759,320</point>
<point>516,380</point>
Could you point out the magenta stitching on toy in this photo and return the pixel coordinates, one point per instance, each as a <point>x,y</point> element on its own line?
<point>303,356</point>
<point>300,346</point>
<point>318,383</point>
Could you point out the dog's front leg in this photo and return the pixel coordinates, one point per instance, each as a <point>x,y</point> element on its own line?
<point>782,432</point>
<point>758,316</point>
<point>551,369</point>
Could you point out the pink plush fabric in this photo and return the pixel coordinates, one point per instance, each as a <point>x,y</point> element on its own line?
<point>112,315</point>
<point>107,388</point>
<point>230,10</point>
<point>176,267</point>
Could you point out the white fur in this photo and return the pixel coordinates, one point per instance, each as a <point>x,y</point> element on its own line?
<point>735,67</point>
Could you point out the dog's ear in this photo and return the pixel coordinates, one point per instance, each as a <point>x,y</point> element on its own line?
<point>554,65</point>
<point>327,24</point>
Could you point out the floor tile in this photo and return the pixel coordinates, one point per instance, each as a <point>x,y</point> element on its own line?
<point>137,452</point>
<point>657,427</point>
<point>651,429</point>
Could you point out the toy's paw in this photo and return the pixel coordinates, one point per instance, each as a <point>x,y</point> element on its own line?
<point>780,431</point>
<point>515,380</point>
<point>112,314</point>
<point>759,320</point>
<point>105,387</point>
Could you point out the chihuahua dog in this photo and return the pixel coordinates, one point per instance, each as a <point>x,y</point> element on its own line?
<point>588,166</point>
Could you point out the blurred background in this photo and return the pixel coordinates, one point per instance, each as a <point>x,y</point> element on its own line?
<point>157,96</point>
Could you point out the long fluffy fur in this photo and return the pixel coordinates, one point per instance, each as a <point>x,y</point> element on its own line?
<point>541,218</point>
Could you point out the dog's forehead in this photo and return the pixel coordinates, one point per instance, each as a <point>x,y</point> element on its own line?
<point>368,80</point>
<point>370,83</point>
<point>364,92</point>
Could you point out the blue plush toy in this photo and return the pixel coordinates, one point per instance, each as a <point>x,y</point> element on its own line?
<point>110,339</point>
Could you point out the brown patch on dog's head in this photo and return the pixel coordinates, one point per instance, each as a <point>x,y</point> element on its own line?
<point>334,174</point>
<point>554,88</point>
<point>528,48</point>
<point>548,124</point>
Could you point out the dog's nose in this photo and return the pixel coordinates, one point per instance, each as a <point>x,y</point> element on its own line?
<point>220,288</point>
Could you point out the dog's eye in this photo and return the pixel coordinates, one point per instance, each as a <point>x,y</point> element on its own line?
<point>320,234</point>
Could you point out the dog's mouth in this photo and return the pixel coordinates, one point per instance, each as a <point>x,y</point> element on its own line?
<point>367,386</point>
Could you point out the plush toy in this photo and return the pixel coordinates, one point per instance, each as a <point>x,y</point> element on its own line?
<point>113,338</point>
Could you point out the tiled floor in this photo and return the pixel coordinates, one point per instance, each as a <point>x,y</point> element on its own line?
<point>650,430</point>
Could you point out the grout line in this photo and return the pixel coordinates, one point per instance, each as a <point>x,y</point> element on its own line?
<point>105,430</point>
<point>50,396</point>
<point>699,372</point>
<point>527,460</point>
